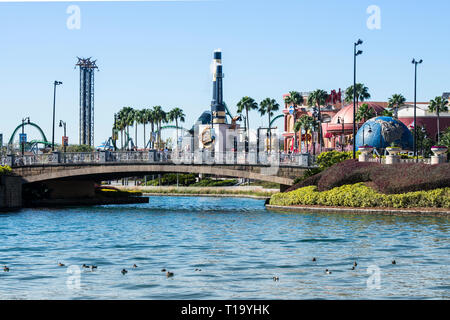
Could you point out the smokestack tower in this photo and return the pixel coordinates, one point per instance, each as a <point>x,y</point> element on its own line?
<point>87,68</point>
<point>217,106</point>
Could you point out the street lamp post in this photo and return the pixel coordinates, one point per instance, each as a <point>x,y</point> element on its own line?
<point>415,63</point>
<point>22,142</point>
<point>63,124</point>
<point>342,136</point>
<point>355,54</point>
<point>56,83</point>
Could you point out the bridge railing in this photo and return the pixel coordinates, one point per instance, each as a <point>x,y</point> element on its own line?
<point>169,157</point>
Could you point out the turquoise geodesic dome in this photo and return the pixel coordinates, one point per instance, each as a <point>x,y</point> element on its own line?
<point>381,132</point>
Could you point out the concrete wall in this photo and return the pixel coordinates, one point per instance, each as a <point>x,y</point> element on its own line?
<point>10,192</point>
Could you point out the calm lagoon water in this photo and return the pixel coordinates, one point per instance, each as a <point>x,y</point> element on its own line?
<point>238,245</point>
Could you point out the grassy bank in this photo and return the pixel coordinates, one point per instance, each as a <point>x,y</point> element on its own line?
<point>360,195</point>
<point>234,191</point>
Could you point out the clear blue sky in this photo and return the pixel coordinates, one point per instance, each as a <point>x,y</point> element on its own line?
<point>159,53</point>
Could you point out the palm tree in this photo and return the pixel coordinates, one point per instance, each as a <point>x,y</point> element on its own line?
<point>247,104</point>
<point>362,93</point>
<point>296,99</point>
<point>387,113</point>
<point>364,113</point>
<point>140,118</point>
<point>307,123</point>
<point>160,117</point>
<point>395,102</point>
<point>126,115</point>
<point>298,128</point>
<point>150,114</point>
<point>318,98</point>
<point>176,114</point>
<point>268,106</point>
<point>438,105</point>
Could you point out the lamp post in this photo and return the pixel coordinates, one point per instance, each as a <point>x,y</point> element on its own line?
<point>355,54</point>
<point>424,136</point>
<point>22,142</point>
<point>56,83</point>
<point>342,136</point>
<point>114,133</point>
<point>63,124</point>
<point>415,63</point>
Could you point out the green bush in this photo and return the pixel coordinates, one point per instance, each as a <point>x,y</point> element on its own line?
<point>171,179</point>
<point>215,183</point>
<point>359,195</point>
<point>4,170</point>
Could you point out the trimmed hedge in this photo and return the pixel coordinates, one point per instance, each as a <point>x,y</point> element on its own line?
<point>215,183</point>
<point>359,195</point>
<point>4,170</point>
<point>388,179</point>
<point>112,193</point>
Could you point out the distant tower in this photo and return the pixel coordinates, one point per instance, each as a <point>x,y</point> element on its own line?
<point>87,68</point>
<point>217,105</point>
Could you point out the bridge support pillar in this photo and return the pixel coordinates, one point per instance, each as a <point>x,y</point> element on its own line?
<point>10,193</point>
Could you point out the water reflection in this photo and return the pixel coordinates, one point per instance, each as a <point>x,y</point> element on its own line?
<point>238,245</point>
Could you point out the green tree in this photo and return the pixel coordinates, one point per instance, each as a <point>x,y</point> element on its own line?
<point>295,99</point>
<point>364,113</point>
<point>160,117</point>
<point>387,113</point>
<point>362,93</point>
<point>140,118</point>
<point>176,114</point>
<point>269,106</point>
<point>126,116</point>
<point>445,140</point>
<point>316,99</point>
<point>247,104</point>
<point>395,102</point>
<point>438,105</point>
<point>151,118</point>
<point>307,123</point>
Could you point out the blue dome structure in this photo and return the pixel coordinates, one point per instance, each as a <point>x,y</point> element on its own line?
<point>381,132</point>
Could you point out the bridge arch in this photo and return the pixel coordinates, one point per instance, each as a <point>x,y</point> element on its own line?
<point>117,171</point>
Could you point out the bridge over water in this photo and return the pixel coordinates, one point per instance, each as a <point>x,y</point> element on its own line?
<point>277,168</point>
<point>73,175</point>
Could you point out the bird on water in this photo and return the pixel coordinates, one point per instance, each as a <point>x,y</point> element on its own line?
<point>124,271</point>
<point>135,266</point>
<point>394,262</point>
<point>313,259</point>
<point>327,271</point>
<point>169,274</point>
<point>61,264</point>
<point>5,269</point>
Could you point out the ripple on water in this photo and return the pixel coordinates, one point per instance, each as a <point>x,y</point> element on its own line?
<point>238,244</point>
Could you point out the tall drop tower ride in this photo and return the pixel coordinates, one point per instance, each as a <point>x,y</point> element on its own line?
<point>87,68</point>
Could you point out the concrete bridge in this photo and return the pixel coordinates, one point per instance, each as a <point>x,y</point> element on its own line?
<point>74,175</point>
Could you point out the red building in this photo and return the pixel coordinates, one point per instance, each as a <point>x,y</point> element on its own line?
<point>337,122</point>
